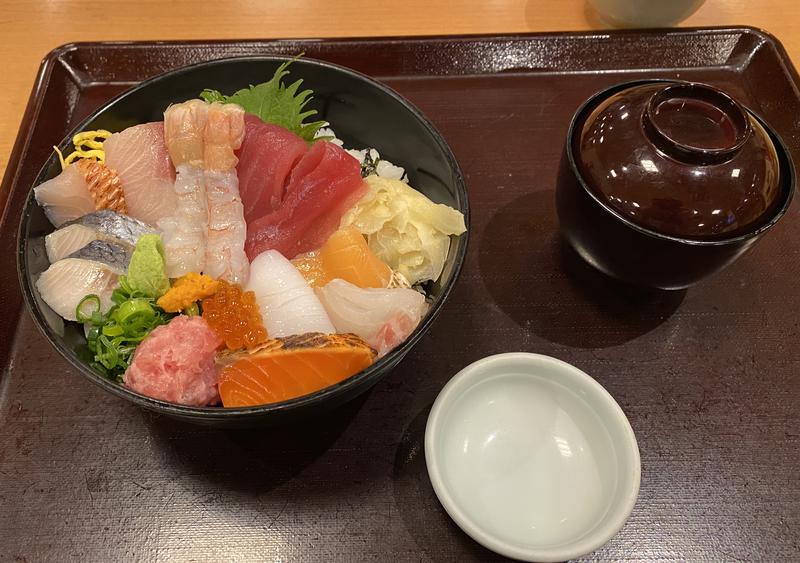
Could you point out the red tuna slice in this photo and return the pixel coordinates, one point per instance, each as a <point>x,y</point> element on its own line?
<point>141,160</point>
<point>323,186</point>
<point>266,157</point>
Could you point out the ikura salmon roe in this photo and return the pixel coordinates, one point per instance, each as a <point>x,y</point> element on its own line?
<point>234,316</point>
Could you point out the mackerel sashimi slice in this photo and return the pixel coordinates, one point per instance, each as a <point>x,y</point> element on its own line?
<point>322,187</point>
<point>266,158</point>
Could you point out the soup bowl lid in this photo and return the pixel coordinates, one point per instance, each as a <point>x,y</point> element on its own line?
<point>681,159</point>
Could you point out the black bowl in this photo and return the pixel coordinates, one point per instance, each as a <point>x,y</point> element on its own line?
<point>632,253</point>
<point>362,111</point>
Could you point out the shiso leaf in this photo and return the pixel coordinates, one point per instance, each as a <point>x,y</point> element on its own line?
<point>274,102</point>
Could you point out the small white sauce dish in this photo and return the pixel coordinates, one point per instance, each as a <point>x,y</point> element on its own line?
<point>532,457</point>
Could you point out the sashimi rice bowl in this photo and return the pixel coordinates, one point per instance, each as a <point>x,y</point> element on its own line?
<point>239,247</point>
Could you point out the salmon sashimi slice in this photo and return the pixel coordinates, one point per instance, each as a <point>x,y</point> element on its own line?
<point>139,156</point>
<point>267,156</point>
<point>347,256</point>
<point>287,368</point>
<point>323,186</point>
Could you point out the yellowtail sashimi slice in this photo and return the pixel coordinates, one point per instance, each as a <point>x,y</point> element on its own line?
<point>139,156</point>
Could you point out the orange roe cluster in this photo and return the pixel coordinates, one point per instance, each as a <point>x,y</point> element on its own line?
<point>234,316</point>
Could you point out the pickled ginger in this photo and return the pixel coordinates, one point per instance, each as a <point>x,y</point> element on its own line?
<point>405,229</point>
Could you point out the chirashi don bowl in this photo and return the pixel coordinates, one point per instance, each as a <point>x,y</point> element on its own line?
<point>363,112</point>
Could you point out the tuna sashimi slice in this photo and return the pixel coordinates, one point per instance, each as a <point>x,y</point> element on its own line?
<point>140,157</point>
<point>323,186</point>
<point>267,156</point>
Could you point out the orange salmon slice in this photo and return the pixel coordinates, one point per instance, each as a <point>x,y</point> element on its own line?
<point>287,368</point>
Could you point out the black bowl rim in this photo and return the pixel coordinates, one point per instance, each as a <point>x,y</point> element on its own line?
<point>376,371</point>
<point>780,146</point>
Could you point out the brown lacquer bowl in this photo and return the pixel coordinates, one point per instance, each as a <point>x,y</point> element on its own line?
<point>663,183</point>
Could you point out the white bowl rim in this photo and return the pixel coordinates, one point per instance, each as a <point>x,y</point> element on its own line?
<point>584,545</point>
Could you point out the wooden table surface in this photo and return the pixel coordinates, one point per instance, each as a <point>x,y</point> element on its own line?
<point>31,28</point>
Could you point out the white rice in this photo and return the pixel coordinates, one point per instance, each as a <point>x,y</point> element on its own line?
<point>383,168</point>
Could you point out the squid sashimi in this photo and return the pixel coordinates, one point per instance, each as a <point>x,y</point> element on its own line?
<point>186,230</point>
<point>322,187</point>
<point>267,156</point>
<point>346,256</point>
<point>382,317</point>
<point>287,303</point>
<point>227,231</point>
<point>291,367</point>
<point>82,187</point>
<point>139,156</point>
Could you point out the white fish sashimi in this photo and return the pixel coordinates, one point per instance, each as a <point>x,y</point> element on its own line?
<point>92,270</point>
<point>64,284</point>
<point>65,197</point>
<point>382,317</point>
<point>288,304</point>
<point>139,156</point>
<point>184,233</point>
<point>227,230</point>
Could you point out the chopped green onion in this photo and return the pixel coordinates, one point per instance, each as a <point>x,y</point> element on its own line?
<point>85,317</point>
<point>111,339</point>
<point>192,311</point>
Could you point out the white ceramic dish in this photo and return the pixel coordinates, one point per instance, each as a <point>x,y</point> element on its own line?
<point>532,457</point>
<point>645,13</point>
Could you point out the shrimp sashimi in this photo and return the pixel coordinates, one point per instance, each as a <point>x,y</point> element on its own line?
<point>185,232</point>
<point>288,304</point>
<point>227,231</point>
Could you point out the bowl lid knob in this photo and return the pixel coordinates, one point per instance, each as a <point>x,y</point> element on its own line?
<point>695,123</point>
